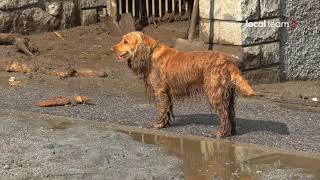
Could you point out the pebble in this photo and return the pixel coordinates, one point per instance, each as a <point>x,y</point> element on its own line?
<point>315,99</point>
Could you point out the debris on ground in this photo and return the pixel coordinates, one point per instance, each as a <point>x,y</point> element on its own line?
<point>64,101</point>
<point>22,43</point>
<point>13,81</point>
<point>58,101</point>
<point>17,67</point>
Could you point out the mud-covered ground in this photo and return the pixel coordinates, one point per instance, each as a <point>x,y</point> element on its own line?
<point>37,146</point>
<point>282,115</point>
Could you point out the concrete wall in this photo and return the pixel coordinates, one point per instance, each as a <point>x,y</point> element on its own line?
<point>28,16</point>
<point>300,48</point>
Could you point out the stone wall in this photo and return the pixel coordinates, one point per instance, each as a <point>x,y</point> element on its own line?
<point>300,47</point>
<point>225,26</point>
<point>29,16</point>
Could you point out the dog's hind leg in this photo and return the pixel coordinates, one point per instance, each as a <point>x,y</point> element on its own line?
<point>165,107</point>
<point>221,98</point>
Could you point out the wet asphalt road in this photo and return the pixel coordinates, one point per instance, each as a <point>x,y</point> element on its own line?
<point>116,101</point>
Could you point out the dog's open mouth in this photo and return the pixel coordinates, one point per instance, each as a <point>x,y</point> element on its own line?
<point>123,57</point>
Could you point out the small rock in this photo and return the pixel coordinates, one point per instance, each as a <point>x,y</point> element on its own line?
<point>6,167</point>
<point>315,99</point>
<point>12,79</point>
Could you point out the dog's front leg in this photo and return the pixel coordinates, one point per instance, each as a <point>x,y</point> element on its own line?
<point>165,107</point>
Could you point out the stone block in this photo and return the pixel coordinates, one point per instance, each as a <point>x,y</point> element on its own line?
<point>27,21</point>
<point>263,76</point>
<point>238,33</point>
<point>89,16</point>
<point>69,16</point>
<point>235,10</point>
<point>252,57</point>
<point>269,8</point>
<point>87,4</point>
<point>16,4</point>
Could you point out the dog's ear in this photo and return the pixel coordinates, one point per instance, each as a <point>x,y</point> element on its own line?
<point>149,41</point>
<point>141,61</point>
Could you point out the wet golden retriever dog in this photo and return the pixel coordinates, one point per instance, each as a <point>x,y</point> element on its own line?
<point>170,73</point>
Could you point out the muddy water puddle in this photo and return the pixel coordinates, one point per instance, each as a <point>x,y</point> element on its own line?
<point>204,160</point>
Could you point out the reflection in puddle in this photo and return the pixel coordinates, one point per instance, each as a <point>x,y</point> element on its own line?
<point>222,160</point>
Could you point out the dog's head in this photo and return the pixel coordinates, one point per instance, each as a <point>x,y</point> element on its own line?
<point>136,48</point>
<point>132,45</point>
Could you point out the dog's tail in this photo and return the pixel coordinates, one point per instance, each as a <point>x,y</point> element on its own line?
<point>240,81</point>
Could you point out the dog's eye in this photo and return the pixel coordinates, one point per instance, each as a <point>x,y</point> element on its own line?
<point>125,42</point>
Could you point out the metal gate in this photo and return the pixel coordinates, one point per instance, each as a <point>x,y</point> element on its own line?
<point>153,10</point>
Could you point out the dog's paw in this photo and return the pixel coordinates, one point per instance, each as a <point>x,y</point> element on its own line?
<point>160,125</point>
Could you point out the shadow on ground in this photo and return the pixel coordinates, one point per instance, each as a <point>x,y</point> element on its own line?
<point>244,126</point>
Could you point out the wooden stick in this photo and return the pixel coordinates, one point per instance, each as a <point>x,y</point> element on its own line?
<point>194,18</point>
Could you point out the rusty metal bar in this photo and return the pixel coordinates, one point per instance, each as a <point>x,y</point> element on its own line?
<point>127,6</point>
<point>180,7</point>
<point>133,8</point>
<point>147,8</point>
<point>167,6</point>
<point>113,10</point>
<point>140,9</point>
<point>153,8</point>
<point>186,6</point>
<point>160,8</point>
<point>173,6</point>
<point>120,7</point>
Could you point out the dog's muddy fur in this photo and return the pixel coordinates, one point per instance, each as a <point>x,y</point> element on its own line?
<point>173,74</point>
